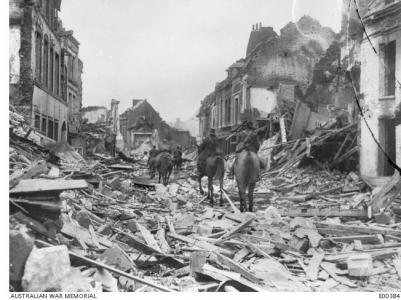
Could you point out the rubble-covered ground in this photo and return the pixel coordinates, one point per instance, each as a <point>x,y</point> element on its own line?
<point>101,224</point>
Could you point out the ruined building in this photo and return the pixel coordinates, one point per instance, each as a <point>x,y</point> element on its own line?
<point>276,69</point>
<point>380,88</point>
<point>141,123</point>
<point>45,71</point>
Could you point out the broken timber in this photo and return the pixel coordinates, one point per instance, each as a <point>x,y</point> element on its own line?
<point>353,230</point>
<point>327,212</point>
<point>42,185</point>
<point>201,244</point>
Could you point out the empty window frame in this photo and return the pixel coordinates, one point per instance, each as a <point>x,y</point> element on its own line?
<point>57,73</point>
<point>44,125</point>
<point>56,130</point>
<point>46,62</point>
<point>388,56</point>
<point>51,69</point>
<point>37,122</point>
<point>38,56</point>
<point>50,128</point>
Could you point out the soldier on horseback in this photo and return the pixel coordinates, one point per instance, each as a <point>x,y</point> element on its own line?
<point>177,157</point>
<point>247,139</point>
<point>207,148</point>
<point>211,164</point>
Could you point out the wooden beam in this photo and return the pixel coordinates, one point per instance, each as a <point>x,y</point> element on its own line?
<point>234,266</point>
<point>353,230</point>
<point>326,212</point>
<point>235,209</point>
<point>42,185</point>
<point>236,229</point>
<point>201,244</point>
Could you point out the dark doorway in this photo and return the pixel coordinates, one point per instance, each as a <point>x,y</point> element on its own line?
<point>387,141</point>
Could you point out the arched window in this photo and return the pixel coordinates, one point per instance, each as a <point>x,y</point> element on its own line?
<point>38,56</point>
<point>46,61</point>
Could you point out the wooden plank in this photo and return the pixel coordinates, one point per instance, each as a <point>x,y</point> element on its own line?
<point>201,244</point>
<point>352,229</point>
<point>41,185</point>
<point>234,266</point>
<point>53,206</point>
<point>365,239</point>
<point>326,212</point>
<point>148,237</point>
<point>257,250</point>
<point>236,229</point>
<point>138,245</point>
<point>313,268</point>
<point>79,232</point>
<point>241,254</point>
<point>376,254</point>
<point>331,269</point>
<point>234,208</point>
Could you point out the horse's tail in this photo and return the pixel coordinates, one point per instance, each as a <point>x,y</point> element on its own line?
<point>246,172</point>
<point>219,168</point>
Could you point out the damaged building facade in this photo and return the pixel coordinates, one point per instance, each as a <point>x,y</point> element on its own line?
<point>44,68</point>
<point>276,69</point>
<point>381,89</point>
<point>141,123</point>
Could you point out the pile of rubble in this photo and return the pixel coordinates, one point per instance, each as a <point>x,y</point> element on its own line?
<point>102,225</point>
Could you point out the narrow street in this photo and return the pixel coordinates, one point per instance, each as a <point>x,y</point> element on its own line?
<point>204,146</point>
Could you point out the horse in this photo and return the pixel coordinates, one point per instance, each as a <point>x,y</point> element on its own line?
<point>164,165</point>
<point>177,160</point>
<point>246,171</point>
<point>213,168</point>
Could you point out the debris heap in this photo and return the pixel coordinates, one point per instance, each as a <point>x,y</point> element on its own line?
<point>101,225</point>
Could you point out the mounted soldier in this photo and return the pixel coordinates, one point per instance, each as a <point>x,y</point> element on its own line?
<point>207,148</point>
<point>211,164</point>
<point>247,165</point>
<point>247,139</point>
<point>177,157</point>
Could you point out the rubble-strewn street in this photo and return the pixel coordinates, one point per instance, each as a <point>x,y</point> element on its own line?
<point>101,225</point>
<point>204,146</point>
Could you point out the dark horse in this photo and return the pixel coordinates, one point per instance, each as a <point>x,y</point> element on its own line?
<point>246,170</point>
<point>164,165</point>
<point>213,168</point>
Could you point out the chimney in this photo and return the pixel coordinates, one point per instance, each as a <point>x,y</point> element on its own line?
<point>260,25</point>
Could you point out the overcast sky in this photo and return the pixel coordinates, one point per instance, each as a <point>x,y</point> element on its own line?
<point>172,52</point>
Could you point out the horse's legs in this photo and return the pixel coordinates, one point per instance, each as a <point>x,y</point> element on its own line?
<point>160,176</point>
<point>221,191</point>
<point>241,193</point>
<point>250,195</point>
<point>210,189</point>
<point>200,184</point>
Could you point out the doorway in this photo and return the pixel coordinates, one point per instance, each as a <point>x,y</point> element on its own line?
<point>387,139</point>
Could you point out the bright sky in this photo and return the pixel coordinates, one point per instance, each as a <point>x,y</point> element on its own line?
<point>172,52</point>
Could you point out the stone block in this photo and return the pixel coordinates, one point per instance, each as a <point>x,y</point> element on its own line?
<point>44,267</point>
